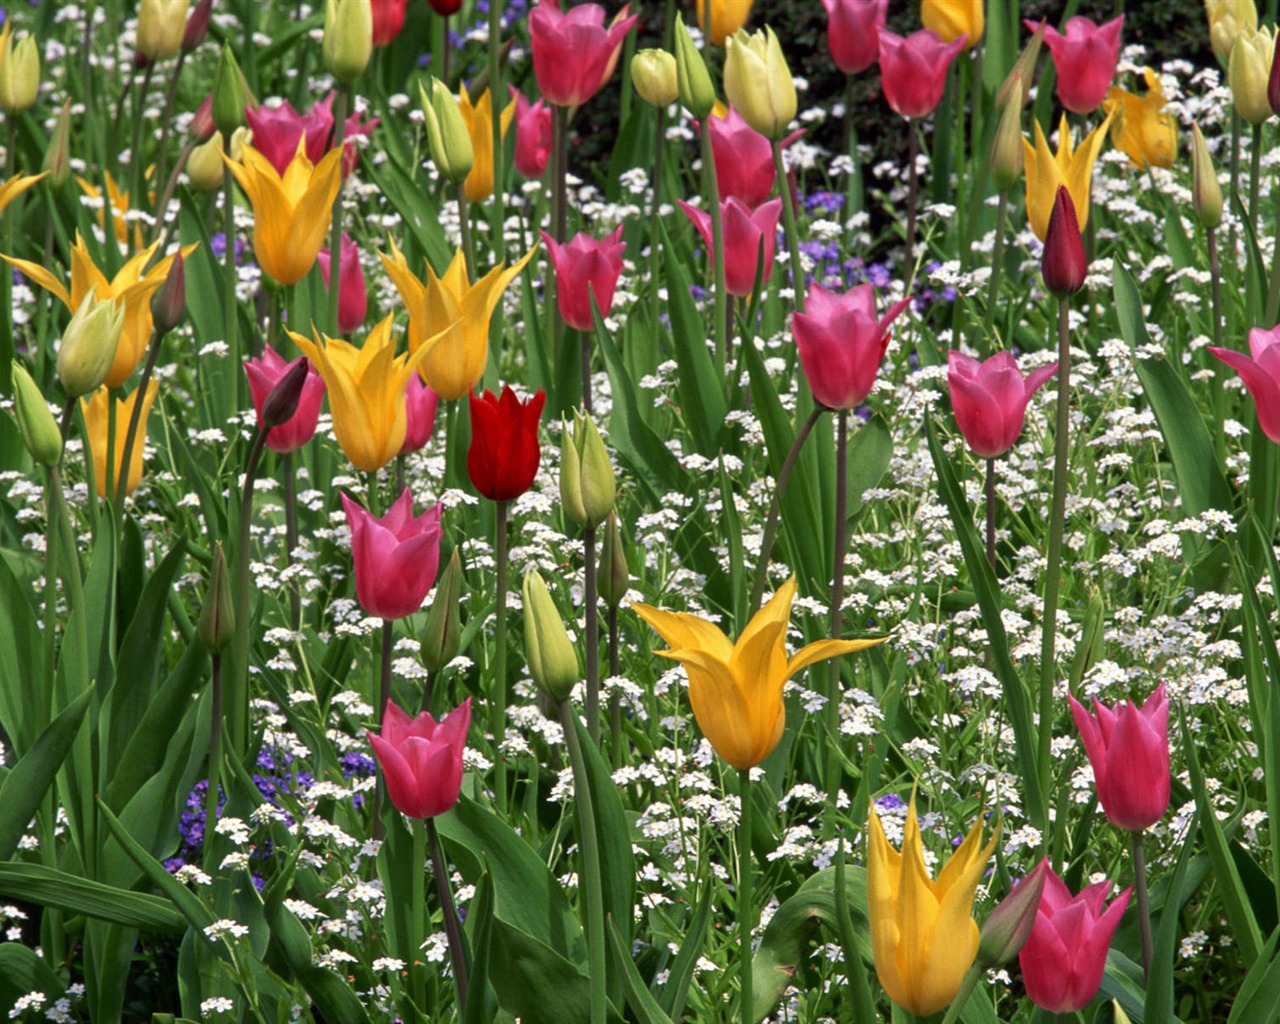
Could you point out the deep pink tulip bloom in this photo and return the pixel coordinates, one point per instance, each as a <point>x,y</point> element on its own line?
<point>573,51</point>
<point>841,343</point>
<point>388,20</point>
<point>396,557</point>
<point>420,404</point>
<point>276,131</point>
<point>1128,748</point>
<point>913,71</point>
<point>1261,375</point>
<point>853,32</point>
<point>533,135</point>
<point>742,231</point>
<point>1064,957</point>
<point>421,759</point>
<point>265,373</point>
<point>1064,264</point>
<point>1085,60</point>
<point>990,399</point>
<point>743,158</point>
<point>353,298</point>
<point>585,265</point>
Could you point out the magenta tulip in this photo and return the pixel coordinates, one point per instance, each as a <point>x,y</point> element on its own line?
<point>1261,375</point>
<point>533,135</point>
<point>913,71</point>
<point>1085,60</point>
<point>1128,748</point>
<point>990,399</point>
<point>265,373</point>
<point>421,759</point>
<point>853,32</point>
<point>276,131</point>
<point>1064,957</point>
<point>395,557</point>
<point>743,232</point>
<point>353,299</point>
<point>841,343</point>
<point>743,159</point>
<point>420,404</point>
<point>573,51</point>
<point>585,266</point>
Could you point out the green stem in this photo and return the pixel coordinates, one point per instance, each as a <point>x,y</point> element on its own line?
<point>711,190</point>
<point>138,163</point>
<point>238,688</point>
<point>464,223</point>
<point>991,514</point>
<point>341,101</point>
<point>1255,171</point>
<point>135,419</point>
<point>440,869</point>
<point>384,698</point>
<point>970,982</point>
<point>1215,291</point>
<point>854,188</point>
<point>593,632</point>
<point>497,99</point>
<point>162,144</point>
<point>52,534</point>
<point>213,769</point>
<point>913,196</point>
<point>793,234</point>
<point>589,878</point>
<point>831,711</point>
<point>417,906</point>
<point>655,221</point>
<point>1235,168</point>
<point>289,470</point>
<point>498,715</point>
<point>1273,288</point>
<point>746,915</point>
<point>859,990</point>
<point>229,318</point>
<point>170,186</point>
<point>997,267</point>
<point>1144,906</point>
<point>615,698</point>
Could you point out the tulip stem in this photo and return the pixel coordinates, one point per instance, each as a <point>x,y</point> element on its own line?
<point>497,100</point>
<point>457,954</point>
<point>967,985</point>
<point>1235,167</point>
<point>289,470</point>
<point>913,195</point>
<point>854,190</point>
<point>1255,169</point>
<point>997,266</point>
<point>831,711</point>
<point>655,221</point>
<point>789,221</point>
<point>615,695</point>
<point>213,769</point>
<point>464,224</point>
<point>136,160</point>
<point>162,147</point>
<point>591,613</point>
<point>1144,908</point>
<point>384,697</point>
<point>341,101</point>
<point>991,514</point>
<point>589,879</point>
<point>238,691</point>
<point>498,716</point>
<point>171,186</point>
<point>745,914</point>
<point>230,324</point>
<point>135,418</point>
<point>1215,290</point>
<point>1273,289</point>
<point>711,189</point>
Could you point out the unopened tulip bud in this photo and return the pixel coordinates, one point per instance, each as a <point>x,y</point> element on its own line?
<point>36,424</point>
<point>1024,69</point>
<point>447,135</point>
<point>553,662</point>
<point>161,26</point>
<point>89,344</point>
<point>1063,265</point>
<point>19,75</point>
<point>653,73</point>
<point>57,158</point>
<point>587,485</point>
<point>442,634</point>
<point>1006,148</point>
<point>348,38</point>
<point>282,400</point>
<point>758,82</point>
<point>1206,193</point>
<point>1248,73</point>
<point>693,82</point>
<point>169,304</point>
<point>1005,932</point>
<point>197,25</point>
<point>204,166</point>
<point>229,95</point>
<point>614,578</point>
<point>217,618</point>
<point>1227,20</point>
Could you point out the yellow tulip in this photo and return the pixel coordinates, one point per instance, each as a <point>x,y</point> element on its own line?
<point>130,286</point>
<point>758,82</point>
<point>923,936</point>
<point>366,391</point>
<point>119,202</point>
<point>457,311</point>
<point>19,72</point>
<point>290,214</point>
<point>15,186</point>
<point>736,688</point>
<point>1071,166</point>
<point>161,25</point>
<point>1248,71</point>
<point>479,121</point>
<point>951,19</point>
<point>1143,128</point>
<point>727,16</point>
<point>1227,19</point>
<point>97,426</point>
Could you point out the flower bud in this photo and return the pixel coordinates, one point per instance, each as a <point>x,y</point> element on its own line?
<point>202,126</point>
<point>653,73</point>
<point>348,38</point>
<point>1206,192</point>
<point>36,424</point>
<point>1248,73</point>
<point>282,400</point>
<point>1005,932</point>
<point>89,344</point>
<point>758,82</point>
<point>197,25</point>
<point>587,485</point>
<point>447,134</point>
<point>442,634</point>
<point>1227,20</point>
<point>1006,148</point>
<point>169,304</point>
<point>57,157</point>
<point>614,579</point>
<point>693,82</point>
<point>1022,72</point>
<point>161,26</point>
<point>204,166</point>
<point>19,74</point>
<point>217,618</point>
<point>553,662</point>
<point>229,94</point>
<point>1063,265</point>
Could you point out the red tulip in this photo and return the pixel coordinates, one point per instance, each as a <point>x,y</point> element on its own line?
<point>420,413</point>
<point>395,557</point>
<point>445,7</point>
<point>353,299</point>
<point>265,373</point>
<point>743,231</point>
<point>533,135</point>
<point>1261,375</point>
<point>573,52</point>
<point>1085,60</point>
<point>276,131</point>
<point>504,454</point>
<point>1064,957</point>
<point>841,343</point>
<point>853,32</point>
<point>388,20</point>
<point>743,158</point>
<point>1128,748</point>
<point>990,399</point>
<point>421,759</point>
<point>585,265</point>
<point>1063,264</point>
<point>913,71</point>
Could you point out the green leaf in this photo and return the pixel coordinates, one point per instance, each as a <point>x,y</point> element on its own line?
<point>49,887</point>
<point>536,983</point>
<point>21,971</point>
<point>1159,1002</point>
<point>676,991</point>
<point>22,667</point>
<point>1258,999</point>
<point>639,998</point>
<point>869,452</point>
<point>1122,981</point>
<point>617,861</point>
<point>330,993</point>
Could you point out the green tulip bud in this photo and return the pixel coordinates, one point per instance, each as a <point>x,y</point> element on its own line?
<point>587,486</point>
<point>1206,193</point>
<point>217,618</point>
<point>57,157</point>
<point>654,75</point>
<point>447,134</point>
<point>1014,87</point>
<point>553,662</point>
<point>443,632</point>
<point>1005,932</point>
<point>1006,148</point>
<point>613,577</point>
<point>19,76</point>
<point>89,344</point>
<point>36,424</point>
<point>229,94</point>
<point>348,38</point>
<point>697,94</point>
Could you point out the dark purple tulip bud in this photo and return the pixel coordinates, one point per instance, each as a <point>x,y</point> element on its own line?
<point>1005,932</point>
<point>197,25</point>
<point>217,618</point>
<point>1063,265</point>
<point>169,305</point>
<point>282,400</point>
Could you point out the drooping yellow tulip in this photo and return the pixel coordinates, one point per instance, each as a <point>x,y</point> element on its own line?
<point>290,214</point>
<point>130,286</point>
<point>97,425</point>
<point>479,121</point>
<point>457,311</point>
<point>1143,129</point>
<point>1071,166</point>
<point>727,16</point>
<point>736,688</point>
<point>951,19</point>
<point>923,936</point>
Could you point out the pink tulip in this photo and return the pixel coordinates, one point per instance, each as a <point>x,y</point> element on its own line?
<point>990,399</point>
<point>573,52</point>
<point>743,231</point>
<point>395,557</point>
<point>1085,60</point>
<point>583,266</point>
<point>1261,375</point>
<point>853,32</point>
<point>420,410</point>
<point>265,373</point>
<point>743,159</point>
<point>533,135</point>
<point>841,343</point>
<point>913,71</point>
<point>1064,957</point>
<point>421,759</point>
<point>276,131</point>
<point>353,299</point>
<point>388,20</point>
<point>1128,748</point>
